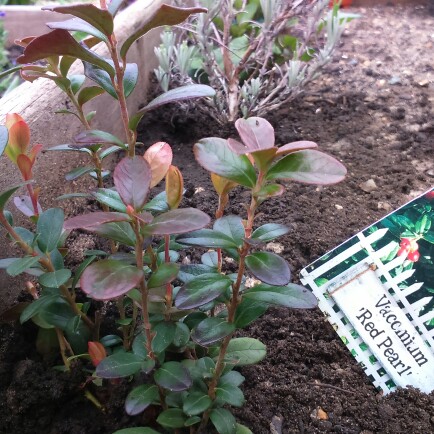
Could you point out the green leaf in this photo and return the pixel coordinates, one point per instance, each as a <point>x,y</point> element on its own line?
<point>131,75</point>
<point>77,25</point>
<point>164,334</point>
<point>117,231</point>
<point>244,351</point>
<point>241,429</point>
<point>232,226</point>
<point>110,198</point>
<point>269,190</point>
<point>88,93</point>
<point>210,259</point>
<point>107,279</point>
<point>77,81</point>
<point>140,398</point>
<point>96,17</point>
<point>101,77</point>
<point>223,420</point>
<point>178,221</point>
<point>248,311</point>
<point>138,429</point>
<point>164,16</point>
<point>158,203</point>
<point>232,377</point>
<point>55,279</point>
<point>182,93</point>
<point>77,334</point>
<point>81,268</point>
<point>291,295</point>
<point>165,274</point>
<point>308,166</point>
<point>207,238</point>
<point>6,195</point>
<point>21,264</point>
<point>196,403</point>
<point>4,138</point>
<point>111,340</point>
<point>37,306</point>
<point>230,394</point>
<point>269,232</point>
<point>191,271</point>
<point>215,156</point>
<point>172,418</point>
<point>173,376</point>
<point>119,365</point>
<point>193,420</point>
<point>77,173</point>
<point>109,151</point>
<point>49,229</point>
<point>269,268</point>
<point>57,314</point>
<point>182,335</point>
<point>201,290</point>
<point>211,330</point>
<point>60,43</point>
<point>132,178</point>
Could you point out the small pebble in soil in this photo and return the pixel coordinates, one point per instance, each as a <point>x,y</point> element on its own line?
<point>368,186</point>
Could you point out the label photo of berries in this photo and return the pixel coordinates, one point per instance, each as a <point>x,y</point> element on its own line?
<point>377,290</point>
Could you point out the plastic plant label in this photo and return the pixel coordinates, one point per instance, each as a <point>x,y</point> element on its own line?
<point>384,327</point>
<point>377,290</point>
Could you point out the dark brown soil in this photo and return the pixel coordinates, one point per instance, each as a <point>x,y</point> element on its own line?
<point>373,110</point>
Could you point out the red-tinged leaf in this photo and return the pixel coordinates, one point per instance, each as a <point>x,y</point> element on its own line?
<point>109,279</point>
<point>88,221</point>
<point>165,16</point>
<point>61,43</point>
<point>310,167</point>
<point>34,151</point>
<point>77,25</point>
<point>98,18</point>
<point>25,205</point>
<point>25,41</point>
<point>159,157</point>
<point>11,119</point>
<point>291,295</point>
<point>93,137</point>
<point>96,352</point>
<point>88,93</point>
<point>296,146</point>
<point>270,190</point>
<point>174,187</point>
<point>24,163</point>
<point>264,158</point>
<point>256,133</point>
<point>178,221</point>
<point>214,155</point>
<point>269,268</point>
<point>19,139</point>
<point>132,178</point>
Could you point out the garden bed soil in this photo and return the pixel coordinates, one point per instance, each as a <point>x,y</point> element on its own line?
<point>373,110</point>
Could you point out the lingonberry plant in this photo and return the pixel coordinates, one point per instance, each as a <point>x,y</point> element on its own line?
<point>181,325</point>
<point>177,345</point>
